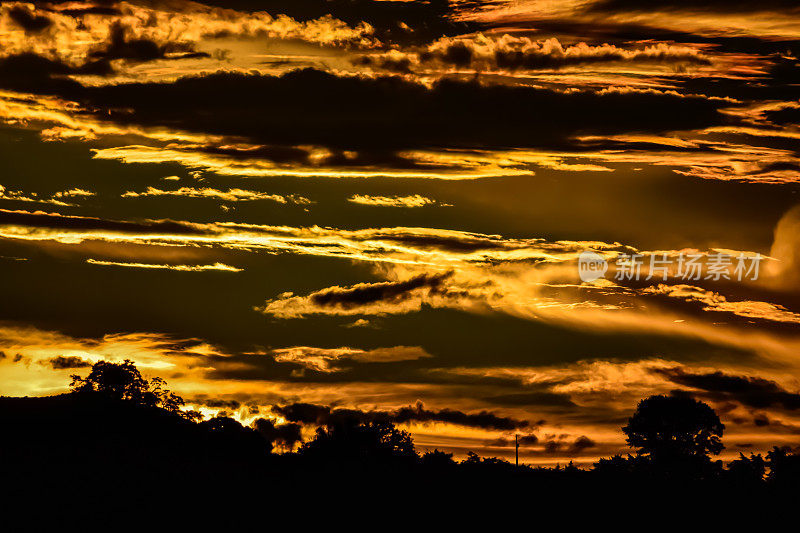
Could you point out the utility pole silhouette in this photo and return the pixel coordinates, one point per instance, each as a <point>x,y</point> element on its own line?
<point>516,446</point>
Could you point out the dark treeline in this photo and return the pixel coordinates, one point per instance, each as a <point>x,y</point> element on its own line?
<point>120,440</point>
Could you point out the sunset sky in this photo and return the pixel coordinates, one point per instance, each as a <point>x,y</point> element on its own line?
<point>285,208</point>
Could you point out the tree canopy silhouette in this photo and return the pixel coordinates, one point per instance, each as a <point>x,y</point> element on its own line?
<point>674,427</point>
<point>369,443</point>
<point>286,435</point>
<point>124,382</point>
<point>118,430</point>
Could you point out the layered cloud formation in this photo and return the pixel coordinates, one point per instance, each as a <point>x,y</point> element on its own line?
<point>307,211</point>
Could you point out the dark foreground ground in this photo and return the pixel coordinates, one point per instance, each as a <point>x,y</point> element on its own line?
<point>78,457</point>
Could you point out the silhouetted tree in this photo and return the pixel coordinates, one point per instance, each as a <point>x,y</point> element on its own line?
<point>287,435</point>
<point>619,466</point>
<point>232,436</point>
<point>437,459</point>
<point>475,459</point>
<point>747,471</point>
<point>124,382</point>
<point>784,468</point>
<point>478,466</point>
<point>668,428</point>
<point>368,443</point>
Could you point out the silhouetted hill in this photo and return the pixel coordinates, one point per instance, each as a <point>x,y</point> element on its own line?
<point>71,427</point>
<point>100,451</point>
